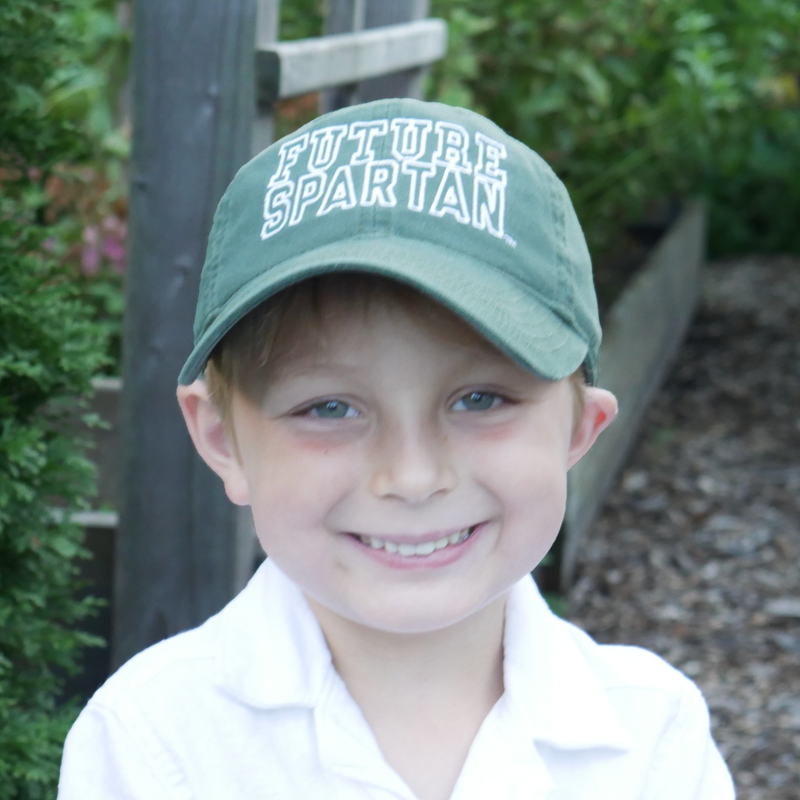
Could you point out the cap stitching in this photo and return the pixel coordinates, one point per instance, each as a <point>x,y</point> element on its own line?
<point>560,232</point>
<point>218,247</point>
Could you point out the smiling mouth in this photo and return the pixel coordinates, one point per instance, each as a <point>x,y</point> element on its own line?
<point>420,549</point>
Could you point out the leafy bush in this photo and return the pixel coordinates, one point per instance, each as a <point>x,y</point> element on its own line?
<point>635,100</point>
<point>301,19</point>
<point>49,350</point>
<point>88,204</point>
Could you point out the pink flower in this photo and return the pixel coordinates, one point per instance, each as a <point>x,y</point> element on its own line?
<point>113,249</point>
<point>90,235</point>
<point>113,224</point>
<point>90,260</point>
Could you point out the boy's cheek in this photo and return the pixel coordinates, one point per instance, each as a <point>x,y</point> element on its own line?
<point>531,458</point>
<point>297,489</point>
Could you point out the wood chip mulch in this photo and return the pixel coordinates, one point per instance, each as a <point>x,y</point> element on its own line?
<point>697,553</point>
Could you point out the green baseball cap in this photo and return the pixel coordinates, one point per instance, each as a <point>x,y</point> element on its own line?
<point>437,197</point>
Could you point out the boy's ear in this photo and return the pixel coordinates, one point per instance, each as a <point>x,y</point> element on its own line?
<point>599,410</point>
<point>212,441</point>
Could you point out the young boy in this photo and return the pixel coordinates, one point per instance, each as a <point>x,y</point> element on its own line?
<point>394,337</point>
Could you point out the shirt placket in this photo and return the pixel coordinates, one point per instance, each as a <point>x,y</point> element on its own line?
<point>348,749</point>
<point>503,762</point>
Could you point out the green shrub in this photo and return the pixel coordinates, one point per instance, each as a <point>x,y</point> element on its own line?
<point>49,350</point>
<point>88,203</point>
<point>301,19</point>
<point>631,101</point>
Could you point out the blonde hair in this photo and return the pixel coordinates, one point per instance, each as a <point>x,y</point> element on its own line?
<point>270,331</point>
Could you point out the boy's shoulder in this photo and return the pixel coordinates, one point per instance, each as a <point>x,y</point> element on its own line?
<point>202,656</point>
<point>612,665</point>
<point>623,665</point>
<point>250,650</point>
<point>580,693</point>
<point>609,715</point>
<point>641,685</point>
<point>233,703</point>
<point>185,659</point>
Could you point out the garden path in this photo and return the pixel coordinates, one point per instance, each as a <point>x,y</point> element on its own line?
<point>697,552</point>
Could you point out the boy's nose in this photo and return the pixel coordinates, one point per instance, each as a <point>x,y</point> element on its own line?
<point>412,466</point>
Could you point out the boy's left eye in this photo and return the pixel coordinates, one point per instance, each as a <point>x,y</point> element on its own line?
<point>332,409</point>
<point>477,401</point>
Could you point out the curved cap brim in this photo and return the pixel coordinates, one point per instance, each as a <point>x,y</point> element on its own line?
<point>495,303</point>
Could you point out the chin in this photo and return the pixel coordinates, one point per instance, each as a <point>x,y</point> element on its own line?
<point>416,615</point>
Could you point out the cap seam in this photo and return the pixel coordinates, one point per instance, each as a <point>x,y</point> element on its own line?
<point>560,230</point>
<point>223,234</point>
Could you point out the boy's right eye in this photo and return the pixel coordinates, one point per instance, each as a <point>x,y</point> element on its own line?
<point>332,409</point>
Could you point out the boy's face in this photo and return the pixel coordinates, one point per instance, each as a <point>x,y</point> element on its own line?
<point>402,478</point>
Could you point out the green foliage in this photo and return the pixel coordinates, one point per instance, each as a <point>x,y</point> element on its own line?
<point>634,100</point>
<point>301,19</point>
<point>49,350</point>
<point>87,204</point>
<point>88,85</point>
<point>32,36</point>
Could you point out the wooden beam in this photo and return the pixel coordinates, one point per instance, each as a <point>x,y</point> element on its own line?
<point>641,336</point>
<point>267,24</point>
<point>407,82</point>
<point>342,16</point>
<point>193,108</point>
<point>355,15</point>
<point>286,69</point>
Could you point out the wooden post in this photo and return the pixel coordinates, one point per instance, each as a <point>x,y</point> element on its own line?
<point>407,83</point>
<point>641,336</point>
<point>341,16</point>
<point>353,15</point>
<point>267,23</point>
<point>193,110</point>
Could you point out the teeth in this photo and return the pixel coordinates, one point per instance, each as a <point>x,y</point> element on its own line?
<point>423,549</point>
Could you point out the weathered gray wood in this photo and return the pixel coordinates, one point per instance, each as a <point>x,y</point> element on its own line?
<point>96,576</point>
<point>641,336</point>
<point>267,21</point>
<point>193,109</point>
<point>287,69</point>
<point>407,82</point>
<point>355,15</point>
<point>342,16</point>
<point>105,453</point>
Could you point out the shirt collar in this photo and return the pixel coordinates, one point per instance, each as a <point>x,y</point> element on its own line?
<point>551,687</point>
<point>272,654</point>
<point>271,650</point>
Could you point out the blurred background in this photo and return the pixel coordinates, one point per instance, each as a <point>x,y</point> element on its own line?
<point>642,107</point>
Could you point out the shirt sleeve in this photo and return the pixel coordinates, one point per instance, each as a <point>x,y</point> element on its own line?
<point>103,760</point>
<point>687,763</point>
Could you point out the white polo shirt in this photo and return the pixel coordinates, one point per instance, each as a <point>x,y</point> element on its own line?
<point>249,707</point>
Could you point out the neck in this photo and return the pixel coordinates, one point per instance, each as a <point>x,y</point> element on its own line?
<point>424,695</point>
<point>428,669</point>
